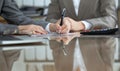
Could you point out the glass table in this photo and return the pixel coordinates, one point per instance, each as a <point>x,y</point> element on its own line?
<point>63,53</point>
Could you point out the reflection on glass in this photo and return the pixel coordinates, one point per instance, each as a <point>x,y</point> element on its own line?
<point>79,54</point>
<point>7,58</point>
<point>78,62</point>
<point>98,53</point>
<point>85,54</point>
<point>64,40</point>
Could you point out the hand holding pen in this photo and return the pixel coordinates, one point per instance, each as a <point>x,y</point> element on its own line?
<point>64,27</point>
<point>64,23</point>
<point>58,25</point>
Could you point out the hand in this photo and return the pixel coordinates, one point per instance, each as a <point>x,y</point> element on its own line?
<point>76,26</point>
<point>66,27</point>
<point>55,27</point>
<point>31,29</point>
<point>71,25</point>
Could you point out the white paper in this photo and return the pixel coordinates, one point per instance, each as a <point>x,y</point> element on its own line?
<point>51,35</point>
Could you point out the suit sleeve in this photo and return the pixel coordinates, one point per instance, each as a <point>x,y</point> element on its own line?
<point>7,29</point>
<point>53,11</point>
<point>13,15</point>
<point>108,15</point>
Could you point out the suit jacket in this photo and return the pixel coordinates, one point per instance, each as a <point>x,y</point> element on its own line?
<point>98,54</point>
<point>99,13</point>
<point>10,12</point>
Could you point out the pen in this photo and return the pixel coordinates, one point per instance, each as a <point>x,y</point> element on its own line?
<point>62,16</point>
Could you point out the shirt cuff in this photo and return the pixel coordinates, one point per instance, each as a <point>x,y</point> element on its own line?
<point>87,25</point>
<point>47,27</point>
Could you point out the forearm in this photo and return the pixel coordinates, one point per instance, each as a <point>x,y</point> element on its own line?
<point>107,17</point>
<point>8,29</point>
<point>103,22</point>
<point>13,15</point>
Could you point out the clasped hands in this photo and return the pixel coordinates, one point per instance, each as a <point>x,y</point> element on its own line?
<point>68,26</point>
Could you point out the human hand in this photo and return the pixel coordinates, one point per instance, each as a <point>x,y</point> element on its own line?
<point>66,27</point>
<point>76,26</point>
<point>31,29</point>
<point>71,25</point>
<point>55,27</point>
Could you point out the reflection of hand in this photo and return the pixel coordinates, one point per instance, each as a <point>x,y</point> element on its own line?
<point>31,29</point>
<point>66,39</point>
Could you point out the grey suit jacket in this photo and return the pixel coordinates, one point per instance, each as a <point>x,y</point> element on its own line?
<point>99,13</point>
<point>10,12</point>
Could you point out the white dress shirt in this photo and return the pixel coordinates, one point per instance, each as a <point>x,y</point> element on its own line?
<point>76,4</point>
<point>78,58</point>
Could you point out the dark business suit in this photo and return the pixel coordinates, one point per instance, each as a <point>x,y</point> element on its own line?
<point>10,12</point>
<point>99,13</point>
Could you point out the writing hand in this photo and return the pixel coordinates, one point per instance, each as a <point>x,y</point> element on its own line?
<point>55,27</point>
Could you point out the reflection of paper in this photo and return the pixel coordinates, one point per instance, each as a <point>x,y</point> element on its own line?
<point>54,35</point>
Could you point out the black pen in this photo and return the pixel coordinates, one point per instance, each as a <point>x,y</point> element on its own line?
<point>62,16</point>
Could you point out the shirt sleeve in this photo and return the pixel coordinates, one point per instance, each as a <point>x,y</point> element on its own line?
<point>87,25</point>
<point>47,28</point>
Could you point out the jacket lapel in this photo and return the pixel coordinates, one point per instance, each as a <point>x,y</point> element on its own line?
<point>70,7</point>
<point>81,8</point>
<point>85,8</point>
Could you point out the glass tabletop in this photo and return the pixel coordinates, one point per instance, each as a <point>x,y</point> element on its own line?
<point>63,53</point>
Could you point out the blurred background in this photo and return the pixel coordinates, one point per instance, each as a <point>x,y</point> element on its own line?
<point>33,8</point>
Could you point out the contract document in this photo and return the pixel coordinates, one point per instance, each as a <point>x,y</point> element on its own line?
<point>55,35</point>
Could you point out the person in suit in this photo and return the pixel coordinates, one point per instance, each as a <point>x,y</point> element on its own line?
<point>84,14</point>
<point>17,22</point>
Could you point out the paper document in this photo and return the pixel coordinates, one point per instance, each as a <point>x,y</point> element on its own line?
<point>49,35</point>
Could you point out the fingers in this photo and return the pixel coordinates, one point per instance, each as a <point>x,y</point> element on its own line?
<point>58,28</point>
<point>66,26</point>
<point>39,30</point>
<point>65,29</point>
<point>31,29</point>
